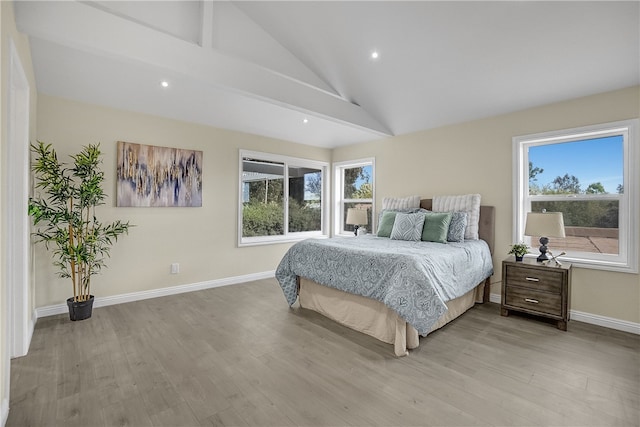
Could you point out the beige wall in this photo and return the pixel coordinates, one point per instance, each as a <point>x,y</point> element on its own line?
<point>469,157</point>
<point>476,157</point>
<point>9,32</point>
<point>203,240</point>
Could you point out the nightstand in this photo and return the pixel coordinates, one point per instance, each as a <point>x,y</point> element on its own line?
<point>531,287</point>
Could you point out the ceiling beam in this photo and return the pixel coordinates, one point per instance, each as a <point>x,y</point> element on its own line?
<point>87,28</point>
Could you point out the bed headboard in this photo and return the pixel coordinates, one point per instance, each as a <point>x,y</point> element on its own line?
<point>486,226</point>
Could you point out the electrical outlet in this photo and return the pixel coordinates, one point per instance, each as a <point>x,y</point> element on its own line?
<point>175,268</point>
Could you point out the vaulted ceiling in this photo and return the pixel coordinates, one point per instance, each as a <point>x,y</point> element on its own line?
<point>303,71</point>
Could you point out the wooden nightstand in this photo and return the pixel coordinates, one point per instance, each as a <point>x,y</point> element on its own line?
<point>537,289</point>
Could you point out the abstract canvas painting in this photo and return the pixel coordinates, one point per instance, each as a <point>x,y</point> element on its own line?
<point>150,176</point>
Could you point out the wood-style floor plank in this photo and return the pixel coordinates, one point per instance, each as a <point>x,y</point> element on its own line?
<point>238,356</point>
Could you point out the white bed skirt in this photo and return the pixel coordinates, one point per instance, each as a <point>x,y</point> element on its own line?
<point>373,317</point>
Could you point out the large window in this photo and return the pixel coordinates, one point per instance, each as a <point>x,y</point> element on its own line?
<point>353,189</point>
<point>281,198</point>
<point>589,174</point>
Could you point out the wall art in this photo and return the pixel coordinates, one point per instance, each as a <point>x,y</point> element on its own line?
<point>151,176</point>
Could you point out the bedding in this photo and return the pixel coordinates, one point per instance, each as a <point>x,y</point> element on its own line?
<point>436,227</point>
<point>401,202</point>
<point>375,319</point>
<point>468,203</point>
<point>408,227</point>
<point>414,279</point>
<point>457,226</point>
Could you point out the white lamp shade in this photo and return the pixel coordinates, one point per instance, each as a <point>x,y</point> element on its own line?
<point>544,224</point>
<point>356,216</point>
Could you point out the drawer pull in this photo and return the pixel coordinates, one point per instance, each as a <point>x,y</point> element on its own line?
<point>531,300</point>
<point>532,279</point>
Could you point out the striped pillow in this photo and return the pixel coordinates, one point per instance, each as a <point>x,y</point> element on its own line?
<point>401,203</point>
<point>469,203</point>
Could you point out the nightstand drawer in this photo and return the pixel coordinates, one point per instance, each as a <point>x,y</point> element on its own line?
<point>542,279</point>
<point>544,302</point>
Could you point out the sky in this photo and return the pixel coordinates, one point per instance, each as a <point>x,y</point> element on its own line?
<point>594,160</point>
<point>360,181</point>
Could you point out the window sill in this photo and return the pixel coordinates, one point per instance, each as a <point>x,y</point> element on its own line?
<point>273,240</point>
<point>601,265</point>
<point>612,266</point>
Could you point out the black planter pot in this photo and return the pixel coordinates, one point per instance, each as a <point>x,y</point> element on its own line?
<point>519,258</point>
<point>80,310</point>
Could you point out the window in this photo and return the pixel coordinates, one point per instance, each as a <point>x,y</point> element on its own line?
<point>281,198</point>
<point>354,188</point>
<point>589,174</point>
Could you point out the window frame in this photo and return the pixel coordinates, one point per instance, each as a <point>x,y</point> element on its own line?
<point>628,241</point>
<point>338,192</point>
<point>288,162</point>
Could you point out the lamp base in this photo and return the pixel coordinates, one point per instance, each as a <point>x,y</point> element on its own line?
<point>542,257</point>
<point>355,229</point>
<point>543,250</point>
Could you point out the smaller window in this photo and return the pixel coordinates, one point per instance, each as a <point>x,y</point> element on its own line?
<point>281,198</point>
<point>354,189</point>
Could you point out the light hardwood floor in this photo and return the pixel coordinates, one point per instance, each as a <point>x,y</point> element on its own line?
<point>237,355</point>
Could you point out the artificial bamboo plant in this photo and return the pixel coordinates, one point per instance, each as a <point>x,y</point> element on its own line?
<point>65,214</point>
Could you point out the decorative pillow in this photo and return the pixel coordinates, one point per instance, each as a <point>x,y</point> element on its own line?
<point>469,203</point>
<point>385,225</point>
<point>408,210</point>
<point>408,226</point>
<point>456,227</point>
<point>436,227</point>
<point>401,203</point>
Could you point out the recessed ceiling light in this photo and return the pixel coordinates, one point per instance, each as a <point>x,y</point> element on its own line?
<point>164,83</point>
<point>305,120</point>
<point>375,54</point>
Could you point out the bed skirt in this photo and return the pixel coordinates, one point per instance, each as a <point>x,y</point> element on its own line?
<point>373,317</point>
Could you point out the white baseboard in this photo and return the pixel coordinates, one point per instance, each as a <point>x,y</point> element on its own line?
<point>51,310</point>
<point>497,298</point>
<point>4,411</point>
<point>607,322</point>
<point>593,319</point>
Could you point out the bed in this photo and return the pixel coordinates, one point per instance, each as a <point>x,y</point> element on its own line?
<point>393,302</point>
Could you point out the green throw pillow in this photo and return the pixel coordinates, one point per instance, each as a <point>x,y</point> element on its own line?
<point>436,227</point>
<point>386,224</point>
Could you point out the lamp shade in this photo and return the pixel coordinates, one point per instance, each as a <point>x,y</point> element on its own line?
<point>356,216</point>
<point>544,224</point>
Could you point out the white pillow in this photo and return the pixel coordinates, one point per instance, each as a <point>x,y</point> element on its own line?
<point>469,203</point>
<point>401,203</point>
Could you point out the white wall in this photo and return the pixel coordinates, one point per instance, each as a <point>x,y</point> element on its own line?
<point>9,32</point>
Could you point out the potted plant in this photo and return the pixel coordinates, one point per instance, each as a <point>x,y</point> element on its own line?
<point>519,250</point>
<point>65,219</point>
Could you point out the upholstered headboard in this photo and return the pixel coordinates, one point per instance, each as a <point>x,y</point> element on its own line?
<point>487,221</point>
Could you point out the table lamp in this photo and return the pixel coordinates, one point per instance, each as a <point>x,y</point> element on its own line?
<point>544,224</point>
<point>356,217</point>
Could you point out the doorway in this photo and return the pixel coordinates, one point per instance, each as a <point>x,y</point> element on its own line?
<point>16,220</point>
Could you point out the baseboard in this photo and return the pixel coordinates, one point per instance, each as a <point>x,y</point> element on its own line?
<point>51,310</point>
<point>607,322</point>
<point>4,411</point>
<point>593,319</point>
<point>497,298</point>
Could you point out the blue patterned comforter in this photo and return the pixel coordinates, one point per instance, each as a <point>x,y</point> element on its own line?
<point>415,279</point>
